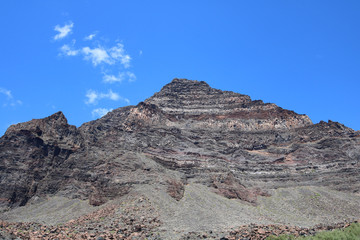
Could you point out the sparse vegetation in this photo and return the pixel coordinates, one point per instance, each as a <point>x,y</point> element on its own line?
<point>350,233</point>
<point>316,196</point>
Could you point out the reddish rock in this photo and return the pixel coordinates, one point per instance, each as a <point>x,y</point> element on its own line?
<point>175,189</point>
<point>224,140</point>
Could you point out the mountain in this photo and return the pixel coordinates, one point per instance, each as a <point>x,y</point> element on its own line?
<point>201,159</point>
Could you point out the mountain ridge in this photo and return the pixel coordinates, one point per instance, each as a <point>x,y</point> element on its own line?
<point>188,139</point>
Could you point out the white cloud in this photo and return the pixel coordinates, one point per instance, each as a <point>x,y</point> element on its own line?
<point>125,60</point>
<point>93,97</point>
<point>112,78</point>
<point>125,100</point>
<point>109,78</point>
<point>10,99</point>
<point>6,92</point>
<point>113,60</point>
<point>110,56</point>
<point>99,112</point>
<point>96,55</point>
<point>111,95</point>
<point>66,50</point>
<point>131,76</point>
<point>118,54</point>
<point>63,31</point>
<point>90,37</point>
<point>17,102</point>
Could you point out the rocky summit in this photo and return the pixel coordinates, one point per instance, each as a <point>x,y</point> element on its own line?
<point>189,162</point>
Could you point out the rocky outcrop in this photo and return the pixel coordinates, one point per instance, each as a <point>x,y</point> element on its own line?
<point>175,189</point>
<point>229,187</point>
<point>186,133</point>
<point>129,226</point>
<point>198,106</point>
<point>33,158</point>
<point>53,130</point>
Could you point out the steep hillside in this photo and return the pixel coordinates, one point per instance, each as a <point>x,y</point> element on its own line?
<point>205,159</point>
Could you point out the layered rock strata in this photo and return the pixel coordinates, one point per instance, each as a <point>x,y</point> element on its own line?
<point>186,133</point>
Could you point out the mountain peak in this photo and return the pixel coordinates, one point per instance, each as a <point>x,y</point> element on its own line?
<point>178,85</point>
<point>58,116</point>
<point>187,140</point>
<point>180,89</point>
<point>203,106</point>
<point>188,82</point>
<point>56,119</point>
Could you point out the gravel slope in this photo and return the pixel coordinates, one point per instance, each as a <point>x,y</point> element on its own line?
<point>199,212</point>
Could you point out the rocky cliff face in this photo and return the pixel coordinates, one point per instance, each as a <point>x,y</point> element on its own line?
<point>186,133</point>
<point>198,106</point>
<point>32,158</point>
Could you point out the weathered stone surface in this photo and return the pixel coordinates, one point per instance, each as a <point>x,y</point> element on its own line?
<point>175,189</point>
<point>33,156</point>
<point>188,132</point>
<point>196,105</point>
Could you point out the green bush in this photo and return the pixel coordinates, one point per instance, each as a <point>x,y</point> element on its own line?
<point>350,233</point>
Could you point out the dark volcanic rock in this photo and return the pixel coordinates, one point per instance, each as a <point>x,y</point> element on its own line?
<point>176,189</point>
<point>229,187</point>
<point>32,158</point>
<point>197,105</point>
<point>187,132</point>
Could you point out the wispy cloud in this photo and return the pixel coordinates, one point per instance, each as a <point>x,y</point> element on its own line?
<point>113,55</point>
<point>118,54</point>
<point>96,55</point>
<point>90,37</point>
<point>68,51</point>
<point>15,102</point>
<point>131,76</point>
<point>99,112</point>
<point>100,54</point>
<point>113,60</point>
<point>63,31</point>
<point>10,99</point>
<point>125,100</point>
<point>6,92</point>
<point>109,78</point>
<point>112,78</point>
<point>93,96</point>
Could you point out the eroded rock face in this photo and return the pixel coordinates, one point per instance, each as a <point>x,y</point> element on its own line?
<point>199,106</point>
<point>33,158</point>
<point>229,187</point>
<point>186,133</point>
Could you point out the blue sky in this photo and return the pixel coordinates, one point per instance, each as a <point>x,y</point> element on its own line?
<point>87,57</point>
